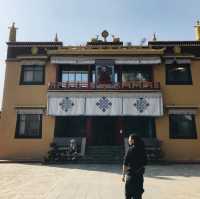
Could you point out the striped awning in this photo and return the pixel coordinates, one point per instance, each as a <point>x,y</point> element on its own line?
<point>140,60</point>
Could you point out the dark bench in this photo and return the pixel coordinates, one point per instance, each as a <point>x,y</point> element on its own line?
<point>64,142</point>
<point>60,149</point>
<point>152,147</point>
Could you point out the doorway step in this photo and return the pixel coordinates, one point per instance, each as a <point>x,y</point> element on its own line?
<point>104,154</point>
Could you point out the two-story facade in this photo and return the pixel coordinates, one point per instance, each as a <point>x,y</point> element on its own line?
<point>102,91</point>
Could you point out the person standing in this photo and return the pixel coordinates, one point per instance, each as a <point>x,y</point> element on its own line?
<point>134,168</point>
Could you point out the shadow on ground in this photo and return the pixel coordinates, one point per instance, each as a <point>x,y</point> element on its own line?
<point>162,172</point>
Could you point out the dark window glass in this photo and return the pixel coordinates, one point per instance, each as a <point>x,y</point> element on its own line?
<point>142,126</point>
<point>29,126</point>
<point>178,74</point>
<point>70,126</point>
<point>32,74</point>
<point>182,126</point>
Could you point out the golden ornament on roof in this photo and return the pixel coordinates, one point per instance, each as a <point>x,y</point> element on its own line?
<point>34,50</point>
<point>105,34</point>
<point>177,49</point>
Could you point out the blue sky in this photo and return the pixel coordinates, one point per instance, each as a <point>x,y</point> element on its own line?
<point>76,21</point>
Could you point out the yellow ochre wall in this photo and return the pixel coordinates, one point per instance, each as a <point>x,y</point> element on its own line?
<point>179,95</point>
<point>24,95</point>
<point>27,95</point>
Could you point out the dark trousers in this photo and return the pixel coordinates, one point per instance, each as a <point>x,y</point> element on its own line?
<point>134,187</point>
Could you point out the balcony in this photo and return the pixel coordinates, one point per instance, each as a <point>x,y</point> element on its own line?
<point>129,85</point>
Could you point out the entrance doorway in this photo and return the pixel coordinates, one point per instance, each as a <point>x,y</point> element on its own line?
<point>142,126</point>
<point>104,130</point>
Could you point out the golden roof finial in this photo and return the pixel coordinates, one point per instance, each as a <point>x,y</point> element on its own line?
<point>197,30</point>
<point>12,35</point>
<point>56,38</point>
<point>154,37</point>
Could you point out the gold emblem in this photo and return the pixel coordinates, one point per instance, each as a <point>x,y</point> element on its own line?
<point>177,50</point>
<point>34,50</point>
<point>105,34</point>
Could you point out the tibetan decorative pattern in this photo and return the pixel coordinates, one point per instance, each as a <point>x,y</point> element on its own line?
<point>66,104</point>
<point>141,104</point>
<point>104,104</point>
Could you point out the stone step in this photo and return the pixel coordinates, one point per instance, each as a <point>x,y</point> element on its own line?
<point>105,147</point>
<point>114,150</point>
<point>102,149</point>
<point>104,154</point>
<point>102,159</point>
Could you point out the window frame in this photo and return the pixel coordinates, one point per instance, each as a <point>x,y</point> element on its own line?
<point>137,69</point>
<point>75,73</point>
<point>17,134</point>
<point>172,135</point>
<point>174,82</point>
<point>22,82</point>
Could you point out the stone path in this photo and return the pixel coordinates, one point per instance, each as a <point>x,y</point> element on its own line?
<point>36,181</point>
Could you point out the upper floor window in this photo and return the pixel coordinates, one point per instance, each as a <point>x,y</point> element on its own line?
<point>104,74</point>
<point>178,74</point>
<point>29,126</point>
<point>136,74</point>
<point>75,76</point>
<point>32,74</point>
<point>182,126</point>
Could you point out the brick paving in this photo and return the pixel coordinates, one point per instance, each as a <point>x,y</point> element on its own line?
<point>37,181</point>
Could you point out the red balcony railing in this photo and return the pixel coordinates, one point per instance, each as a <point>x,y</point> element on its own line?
<point>129,85</point>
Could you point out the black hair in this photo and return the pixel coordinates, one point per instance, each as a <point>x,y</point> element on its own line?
<point>138,142</point>
<point>133,136</point>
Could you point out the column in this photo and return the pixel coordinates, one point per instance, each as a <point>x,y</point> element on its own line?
<point>120,131</point>
<point>88,130</point>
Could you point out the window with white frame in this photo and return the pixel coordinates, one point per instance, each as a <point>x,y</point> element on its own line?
<point>75,76</point>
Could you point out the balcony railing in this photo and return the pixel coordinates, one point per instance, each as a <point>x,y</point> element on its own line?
<point>129,85</point>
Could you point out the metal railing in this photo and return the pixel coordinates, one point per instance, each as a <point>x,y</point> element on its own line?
<point>128,85</point>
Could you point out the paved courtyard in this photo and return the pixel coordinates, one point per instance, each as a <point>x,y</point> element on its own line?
<point>36,181</point>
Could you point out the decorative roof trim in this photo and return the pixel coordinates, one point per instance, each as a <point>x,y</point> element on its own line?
<point>31,57</point>
<point>174,43</point>
<point>182,109</point>
<point>37,44</point>
<point>86,51</point>
<point>179,56</point>
<point>30,109</point>
<point>32,62</point>
<point>179,61</point>
<point>30,106</point>
<point>117,60</point>
<point>182,106</point>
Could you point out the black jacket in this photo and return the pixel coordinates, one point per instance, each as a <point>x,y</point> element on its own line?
<point>135,159</point>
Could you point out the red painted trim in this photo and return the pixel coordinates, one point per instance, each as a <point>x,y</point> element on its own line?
<point>88,130</point>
